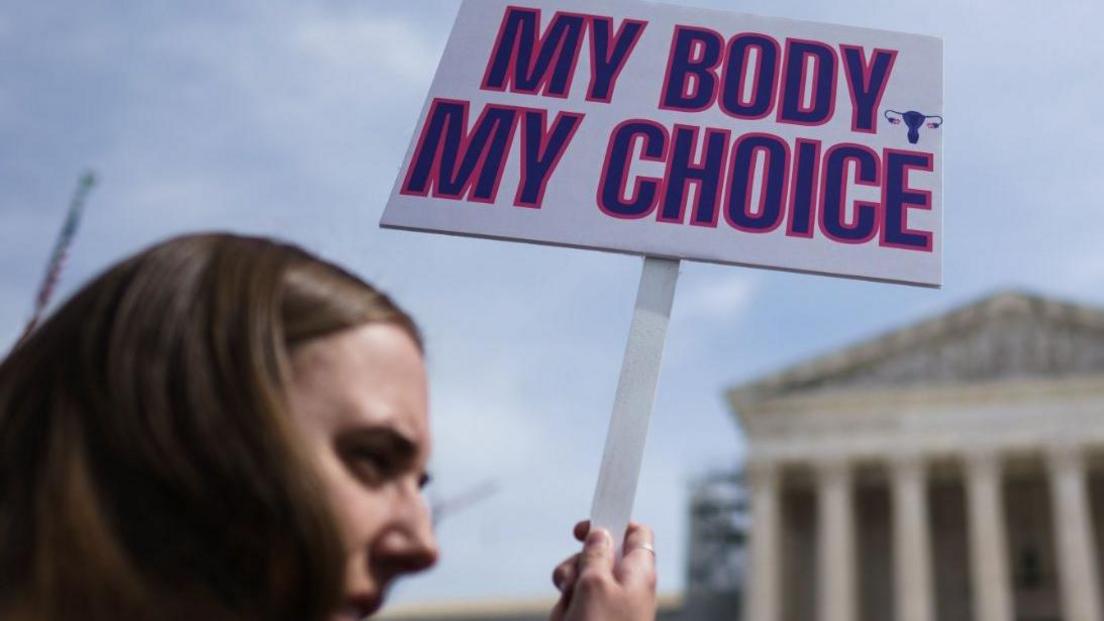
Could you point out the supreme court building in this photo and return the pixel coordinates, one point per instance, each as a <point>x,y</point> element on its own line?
<point>952,471</point>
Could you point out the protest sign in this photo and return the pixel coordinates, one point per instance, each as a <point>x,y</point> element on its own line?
<point>678,133</point>
<point>683,133</point>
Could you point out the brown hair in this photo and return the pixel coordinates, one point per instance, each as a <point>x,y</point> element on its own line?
<point>147,464</point>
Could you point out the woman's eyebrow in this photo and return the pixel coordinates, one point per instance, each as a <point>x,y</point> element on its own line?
<point>384,438</point>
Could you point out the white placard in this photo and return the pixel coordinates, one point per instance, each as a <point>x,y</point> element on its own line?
<point>683,133</point>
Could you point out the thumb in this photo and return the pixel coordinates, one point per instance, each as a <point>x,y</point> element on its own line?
<point>597,552</point>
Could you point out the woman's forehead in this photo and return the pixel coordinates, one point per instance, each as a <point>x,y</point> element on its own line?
<point>370,375</point>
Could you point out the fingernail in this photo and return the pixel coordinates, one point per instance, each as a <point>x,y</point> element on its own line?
<point>599,537</point>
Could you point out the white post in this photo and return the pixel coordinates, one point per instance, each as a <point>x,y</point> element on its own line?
<point>988,546</point>
<point>764,603</point>
<point>1077,570</point>
<point>632,406</point>
<point>836,543</point>
<point>911,540</point>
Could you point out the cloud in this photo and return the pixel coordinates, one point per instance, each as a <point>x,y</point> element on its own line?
<point>725,297</point>
<point>390,44</point>
<point>486,425</point>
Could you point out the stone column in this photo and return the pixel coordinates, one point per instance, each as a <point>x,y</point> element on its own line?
<point>911,540</point>
<point>1077,570</point>
<point>988,543</point>
<point>836,595</point>
<point>764,601</point>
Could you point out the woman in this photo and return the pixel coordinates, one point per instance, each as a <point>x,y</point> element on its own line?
<point>224,427</point>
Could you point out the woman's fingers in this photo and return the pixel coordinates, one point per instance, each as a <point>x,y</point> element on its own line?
<point>639,539</point>
<point>638,557</point>
<point>595,585</point>
<point>563,577</point>
<point>581,530</point>
<point>597,554</point>
<point>559,610</point>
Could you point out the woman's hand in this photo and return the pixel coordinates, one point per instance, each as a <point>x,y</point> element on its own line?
<point>595,587</point>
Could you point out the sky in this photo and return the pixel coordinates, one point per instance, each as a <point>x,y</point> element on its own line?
<point>291,119</point>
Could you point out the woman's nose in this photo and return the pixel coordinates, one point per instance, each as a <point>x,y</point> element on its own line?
<point>423,541</point>
<point>412,545</point>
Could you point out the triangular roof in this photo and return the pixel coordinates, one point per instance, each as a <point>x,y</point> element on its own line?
<point>1007,335</point>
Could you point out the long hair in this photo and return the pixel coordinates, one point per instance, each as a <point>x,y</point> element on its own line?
<point>148,466</point>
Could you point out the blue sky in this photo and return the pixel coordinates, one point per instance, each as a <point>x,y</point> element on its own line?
<point>291,119</point>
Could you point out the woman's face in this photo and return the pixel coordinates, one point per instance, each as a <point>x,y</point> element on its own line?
<point>359,398</point>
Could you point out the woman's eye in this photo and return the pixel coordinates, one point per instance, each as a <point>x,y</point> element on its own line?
<point>368,463</point>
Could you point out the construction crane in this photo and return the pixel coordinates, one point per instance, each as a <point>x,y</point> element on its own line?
<point>61,250</point>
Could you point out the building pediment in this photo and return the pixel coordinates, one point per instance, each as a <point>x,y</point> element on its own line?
<point>1005,336</point>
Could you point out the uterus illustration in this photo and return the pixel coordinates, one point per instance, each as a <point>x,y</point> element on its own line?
<point>913,120</point>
